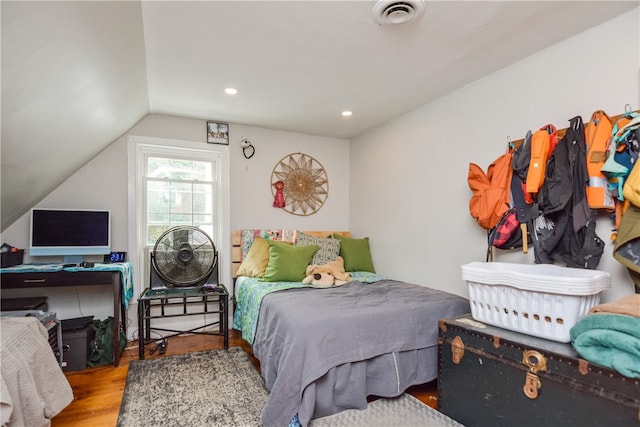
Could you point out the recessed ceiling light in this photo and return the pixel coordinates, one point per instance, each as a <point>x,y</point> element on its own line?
<point>347,113</point>
<point>230,91</point>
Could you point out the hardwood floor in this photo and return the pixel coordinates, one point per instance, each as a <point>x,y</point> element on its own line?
<point>98,391</point>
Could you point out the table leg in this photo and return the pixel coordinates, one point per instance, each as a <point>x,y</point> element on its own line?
<point>224,321</point>
<point>117,307</point>
<point>141,333</point>
<point>147,320</point>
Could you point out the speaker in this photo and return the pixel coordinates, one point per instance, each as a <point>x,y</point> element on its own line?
<point>76,345</point>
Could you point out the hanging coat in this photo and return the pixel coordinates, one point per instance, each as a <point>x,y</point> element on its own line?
<point>490,199</point>
<point>564,230</point>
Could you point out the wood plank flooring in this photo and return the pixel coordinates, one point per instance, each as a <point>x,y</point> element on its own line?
<point>98,391</point>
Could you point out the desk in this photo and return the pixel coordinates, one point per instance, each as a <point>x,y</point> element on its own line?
<point>117,275</point>
<point>211,301</point>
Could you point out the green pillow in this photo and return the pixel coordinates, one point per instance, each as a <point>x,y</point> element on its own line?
<point>356,254</point>
<point>288,263</point>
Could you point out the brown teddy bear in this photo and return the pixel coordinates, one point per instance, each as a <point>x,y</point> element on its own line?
<point>327,275</point>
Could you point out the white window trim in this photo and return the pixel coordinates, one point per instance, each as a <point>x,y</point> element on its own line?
<point>137,146</point>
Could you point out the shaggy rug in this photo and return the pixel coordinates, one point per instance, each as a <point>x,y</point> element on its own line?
<point>208,388</point>
<point>223,388</point>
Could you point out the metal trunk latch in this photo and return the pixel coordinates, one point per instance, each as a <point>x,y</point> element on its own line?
<point>457,349</point>
<point>535,361</point>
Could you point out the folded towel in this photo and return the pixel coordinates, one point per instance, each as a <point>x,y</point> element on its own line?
<point>629,305</point>
<point>611,340</point>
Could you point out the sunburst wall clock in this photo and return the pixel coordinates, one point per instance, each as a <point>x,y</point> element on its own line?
<point>306,185</point>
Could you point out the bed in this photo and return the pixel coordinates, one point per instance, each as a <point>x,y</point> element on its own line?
<point>34,389</point>
<point>324,350</point>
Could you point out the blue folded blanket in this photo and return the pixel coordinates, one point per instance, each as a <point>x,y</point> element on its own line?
<point>611,340</point>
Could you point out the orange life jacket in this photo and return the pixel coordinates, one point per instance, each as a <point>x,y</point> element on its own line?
<point>491,198</point>
<point>543,142</point>
<point>597,135</point>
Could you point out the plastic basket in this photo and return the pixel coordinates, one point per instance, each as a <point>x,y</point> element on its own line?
<point>541,300</point>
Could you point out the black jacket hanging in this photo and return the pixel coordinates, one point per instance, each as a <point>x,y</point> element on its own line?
<point>564,229</point>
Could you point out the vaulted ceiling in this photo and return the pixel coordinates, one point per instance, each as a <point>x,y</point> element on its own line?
<point>77,75</point>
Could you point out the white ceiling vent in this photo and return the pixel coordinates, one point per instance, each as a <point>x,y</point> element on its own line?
<point>394,12</point>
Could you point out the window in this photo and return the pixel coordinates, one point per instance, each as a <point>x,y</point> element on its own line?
<point>178,191</point>
<point>176,183</point>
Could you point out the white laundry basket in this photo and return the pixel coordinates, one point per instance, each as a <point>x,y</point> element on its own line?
<point>542,300</point>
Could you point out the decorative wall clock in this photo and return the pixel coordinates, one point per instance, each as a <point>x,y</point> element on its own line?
<point>306,185</point>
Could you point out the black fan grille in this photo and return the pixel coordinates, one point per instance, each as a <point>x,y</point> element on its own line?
<point>184,256</point>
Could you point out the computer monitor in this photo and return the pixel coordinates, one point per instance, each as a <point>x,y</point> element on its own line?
<point>70,233</point>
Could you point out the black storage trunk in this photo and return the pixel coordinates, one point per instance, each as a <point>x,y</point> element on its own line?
<point>489,376</point>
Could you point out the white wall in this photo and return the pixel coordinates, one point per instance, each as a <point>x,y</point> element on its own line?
<point>409,189</point>
<point>251,196</point>
<point>102,183</point>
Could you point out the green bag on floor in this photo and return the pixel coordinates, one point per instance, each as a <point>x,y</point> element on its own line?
<point>102,345</point>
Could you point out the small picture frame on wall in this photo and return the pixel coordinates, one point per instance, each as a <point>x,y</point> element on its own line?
<point>217,133</point>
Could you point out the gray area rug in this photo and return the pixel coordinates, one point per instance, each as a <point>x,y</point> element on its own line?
<point>208,388</point>
<point>223,388</point>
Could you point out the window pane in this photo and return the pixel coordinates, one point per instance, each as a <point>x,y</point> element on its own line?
<point>154,231</point>
<point>202,220</point>
<point>205,223</point>
<point>182,169</point>
<point>181,196</point>
<point>158,218</point>
<point>158,197</point>
<point>202,198</point>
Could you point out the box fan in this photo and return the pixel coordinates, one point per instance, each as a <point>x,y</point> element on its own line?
<point>184,257</point>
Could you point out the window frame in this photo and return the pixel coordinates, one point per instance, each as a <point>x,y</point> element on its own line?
<point>139,149</point>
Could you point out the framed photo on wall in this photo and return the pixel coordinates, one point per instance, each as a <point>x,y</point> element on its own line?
<point>217,133</point>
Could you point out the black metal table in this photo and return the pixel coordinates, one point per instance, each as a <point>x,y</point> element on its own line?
<point>190,302</point>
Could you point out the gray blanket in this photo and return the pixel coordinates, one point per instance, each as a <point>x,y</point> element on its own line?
<point>34,389</point>
<point>307,337</point>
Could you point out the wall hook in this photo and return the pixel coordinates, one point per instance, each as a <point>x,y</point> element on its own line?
<point>248,150</point>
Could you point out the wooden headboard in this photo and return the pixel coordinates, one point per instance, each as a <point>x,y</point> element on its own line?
<point>236,245</point>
